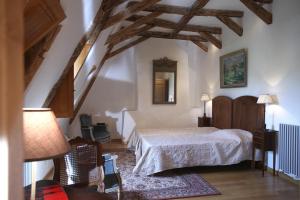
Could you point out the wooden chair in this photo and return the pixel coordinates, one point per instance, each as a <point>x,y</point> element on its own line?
<point>75,166</point>
<point>85,156</point>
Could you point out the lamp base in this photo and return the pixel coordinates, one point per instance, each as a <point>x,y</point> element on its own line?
<point>33,180</point>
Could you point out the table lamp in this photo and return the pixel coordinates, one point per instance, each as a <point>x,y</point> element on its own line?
<point>204,98</point>
<point>265,99</point>
<point>43,139</point>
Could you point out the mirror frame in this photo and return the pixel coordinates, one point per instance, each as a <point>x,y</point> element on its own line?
<point>164,65</point>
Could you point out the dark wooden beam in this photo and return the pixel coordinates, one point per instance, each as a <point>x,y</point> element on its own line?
<point>258,10</point>
<point>131,34</point>
<point>201,45</point>
<point>211,38</point>
<point>231,24</point>
<point>157,34</point>
<point>198,4</point>
<point>184,10</point>
<point>129,29</point>
<point>264,1</point>
<point>130,10</point>
<point>127,46</point>
<point>90,36</point>
<point>172,25</point>
<point>110,5</point>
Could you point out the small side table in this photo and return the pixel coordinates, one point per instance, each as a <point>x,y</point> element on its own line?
<point>264,140</point>
<point>204,121</point>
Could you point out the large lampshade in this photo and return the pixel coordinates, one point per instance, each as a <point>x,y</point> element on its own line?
<point>204,97</point>
<point>42,137</point>
<point>264,99</point>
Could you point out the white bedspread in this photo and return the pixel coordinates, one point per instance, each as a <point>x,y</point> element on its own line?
<point>161,149</point>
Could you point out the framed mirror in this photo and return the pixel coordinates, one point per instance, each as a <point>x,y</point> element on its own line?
<point>164,81</point>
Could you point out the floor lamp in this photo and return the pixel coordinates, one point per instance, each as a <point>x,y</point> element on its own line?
<point>43,139</point>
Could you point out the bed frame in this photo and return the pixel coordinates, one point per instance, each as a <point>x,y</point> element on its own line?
<point>240,113</point>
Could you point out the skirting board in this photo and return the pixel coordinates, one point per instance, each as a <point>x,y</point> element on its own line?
<point>284,176</point>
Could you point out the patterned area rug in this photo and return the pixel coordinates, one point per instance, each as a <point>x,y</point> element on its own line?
<point>165,185</point>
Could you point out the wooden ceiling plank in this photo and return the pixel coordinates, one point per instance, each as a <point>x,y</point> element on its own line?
<point>198,4</point>
<point>211,38</point>
<point>172,25</point>
<point>130,10</point>
<point>231,24</point>
<point>180,10</point>
<point>157,34</point>
<point>259,11</point>
<point>201,45</point>
<point>129,29</point>
<point>40,17</point>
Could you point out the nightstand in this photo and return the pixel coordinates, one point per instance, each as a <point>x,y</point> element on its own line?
<point>265,140</point>
<point>204,121</point>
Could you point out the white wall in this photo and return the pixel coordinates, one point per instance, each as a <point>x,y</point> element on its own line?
<point>273,65</point>
<point>122,93</point>
<point>80,14</point>
<point>182,114</point>
<point>113,92</point>
<point>273,62</point>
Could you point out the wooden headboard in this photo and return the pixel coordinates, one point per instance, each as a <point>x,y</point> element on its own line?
<point>240,113</point>
<point>222,112</point>
<point>247,114</point>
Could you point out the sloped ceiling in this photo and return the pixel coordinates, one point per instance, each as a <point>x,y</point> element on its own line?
<point>164,21</point>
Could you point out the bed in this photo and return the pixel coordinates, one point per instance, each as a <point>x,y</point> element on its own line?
<point>228,142</point>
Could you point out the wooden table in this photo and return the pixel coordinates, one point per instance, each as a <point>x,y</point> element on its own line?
<point>204,121</point>
<point>264,140</point>
<point>75,193</point>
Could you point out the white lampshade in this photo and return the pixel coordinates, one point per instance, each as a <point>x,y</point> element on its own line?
<point>265,99</point>
<point>205,97</point>
<point>42,136</point>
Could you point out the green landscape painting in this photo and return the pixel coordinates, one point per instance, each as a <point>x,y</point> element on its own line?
<point>233,69</point>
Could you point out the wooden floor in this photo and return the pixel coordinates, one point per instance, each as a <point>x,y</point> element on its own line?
<point>240,183</point>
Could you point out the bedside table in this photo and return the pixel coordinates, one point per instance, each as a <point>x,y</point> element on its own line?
<point>264,140</point>
<point>204,121</point>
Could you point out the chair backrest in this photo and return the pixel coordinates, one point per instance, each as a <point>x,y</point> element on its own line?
<point>100,127</point>
<point>75,166</point>
<point>85,120</point>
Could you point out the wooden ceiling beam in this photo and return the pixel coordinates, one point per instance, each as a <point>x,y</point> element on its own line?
<point>184,10</point>
<point>131,28</point>
<point>211,38</point>
<point>157,34</point>
<point>130,10</point>
<point>131,34</point>
<point>110,5</point>
<point>90,36</point>
<point>127,46</point>
<point>259,11</point>
<point>231,24</point>
<point>264,1</point>
<point>172,25</point>
<point>201,45</point>
<point>198,4</point>
<point>90,84</point>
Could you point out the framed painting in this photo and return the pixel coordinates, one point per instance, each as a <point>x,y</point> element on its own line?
<point>233,69</point>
